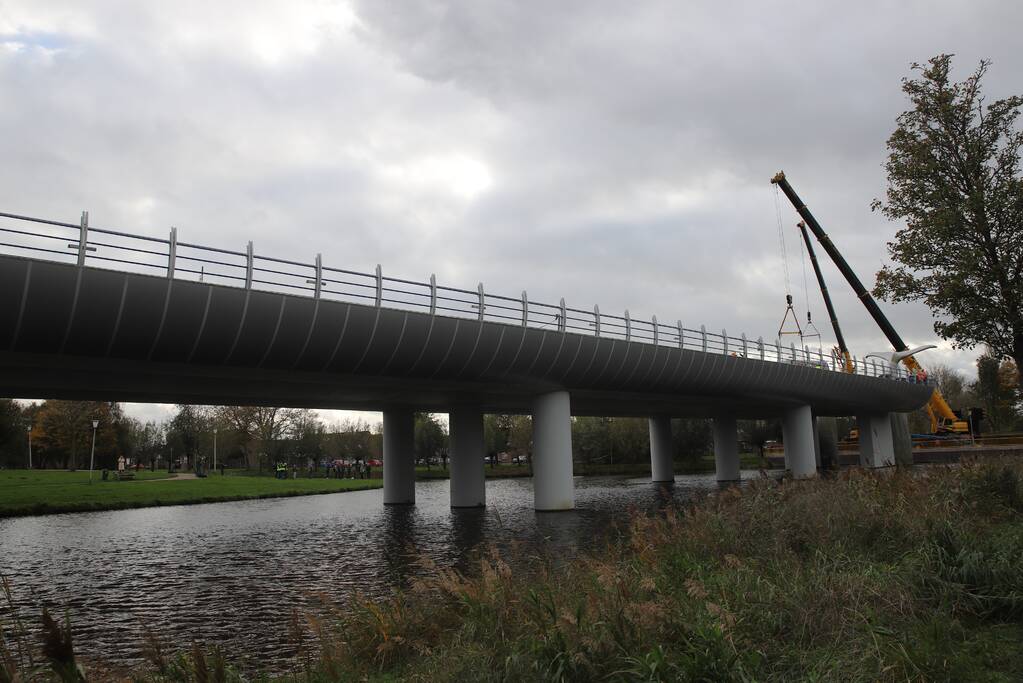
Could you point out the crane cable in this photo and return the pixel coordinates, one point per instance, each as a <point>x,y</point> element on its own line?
<point>785,267</point>
<point>781,242</point>
<point>811,329</point>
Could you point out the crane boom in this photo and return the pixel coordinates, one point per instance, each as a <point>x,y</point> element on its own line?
<point>846,356</point>
<point>942,415</point>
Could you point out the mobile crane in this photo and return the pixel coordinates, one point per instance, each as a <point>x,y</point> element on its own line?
<point>943,418</point>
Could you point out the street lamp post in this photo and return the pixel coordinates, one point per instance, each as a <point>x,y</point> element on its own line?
<point>214,449</point>
<point>30,446</point>
<point>92,455</point>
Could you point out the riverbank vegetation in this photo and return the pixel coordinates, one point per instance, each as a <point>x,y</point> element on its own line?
<point>910,575</point>
<point>913,575</point>
<point>34,492</point>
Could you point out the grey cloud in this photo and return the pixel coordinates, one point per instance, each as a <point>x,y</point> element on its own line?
<point>628,146</point>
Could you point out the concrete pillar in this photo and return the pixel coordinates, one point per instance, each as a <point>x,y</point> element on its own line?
<point>662,465</point>
<point>797,433</point>
<point>399,457</point>
<point>726,448</point>
<point>876,446</point>
<point>468,480</point>
<point>552,452</point>
<point>902,440</point>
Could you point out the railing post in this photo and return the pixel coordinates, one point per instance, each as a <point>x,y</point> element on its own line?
<point>760,347</point>
<point>703,338</point>
<point>596,320</point>
<point>380,286</point>
<point>628,326</point>
<point>806,352</point>
<point>317,290</point>
<point>724,341</point>
<point>433,294</point>
<point>562,324</point>
<point>525,309</point>
<point>83,236</point>
<point>479,290</point>
<point>745,346</point>
<point>681,335</point>
<point>656,336</point>
<point>792,346</point>
<point>172,251</point>
<point>248,266</point>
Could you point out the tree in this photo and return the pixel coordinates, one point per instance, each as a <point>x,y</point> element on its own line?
<point>954,178</point>
<point>13,437</point>
<point>261,429</point>
<point>952,385</point>
<point>693,438</point>
<point>995,390</point>
<point>190,430</point>
<point>351,440</point>
<point>610,440</point>
<point>757,433</point>
<point>591,439</point>
<point>145,440</point>
<point>63,432</point>
<point>520,438</point>
<point>309,435</point>
<point>430,439</point>
<point>495,435</point>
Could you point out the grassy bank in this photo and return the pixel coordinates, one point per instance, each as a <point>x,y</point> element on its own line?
<point>910,576</point>
<point>35,492</point>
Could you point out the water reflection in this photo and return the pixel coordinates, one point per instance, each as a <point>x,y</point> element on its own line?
<point>232,573</point>
<point>398,547</point>
<point>467,533</point>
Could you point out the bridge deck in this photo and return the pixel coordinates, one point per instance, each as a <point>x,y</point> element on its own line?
<point>70,331</point>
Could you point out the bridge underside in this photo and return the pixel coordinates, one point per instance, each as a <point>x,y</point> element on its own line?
<point>67,377</point>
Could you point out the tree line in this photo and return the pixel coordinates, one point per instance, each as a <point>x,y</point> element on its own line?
<point>256,437</point>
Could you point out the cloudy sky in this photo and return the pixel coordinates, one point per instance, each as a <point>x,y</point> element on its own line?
<point>614,153</point>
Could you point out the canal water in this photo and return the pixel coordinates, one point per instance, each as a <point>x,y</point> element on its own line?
<point>232,573</point>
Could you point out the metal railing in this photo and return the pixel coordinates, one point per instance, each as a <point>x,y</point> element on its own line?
<point>83,244</point>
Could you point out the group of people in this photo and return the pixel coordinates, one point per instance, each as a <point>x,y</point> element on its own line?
<point>356,470</point>
<point>334,470</point>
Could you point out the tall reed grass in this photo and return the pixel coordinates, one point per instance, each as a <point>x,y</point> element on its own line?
<point>910,575</point>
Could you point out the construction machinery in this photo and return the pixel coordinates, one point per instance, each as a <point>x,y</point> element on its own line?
<point>943,418</point>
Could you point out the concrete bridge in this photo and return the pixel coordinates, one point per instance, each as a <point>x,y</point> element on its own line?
<point>101,314</point>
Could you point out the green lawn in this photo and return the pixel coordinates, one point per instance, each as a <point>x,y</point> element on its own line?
<point>31,492</point>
